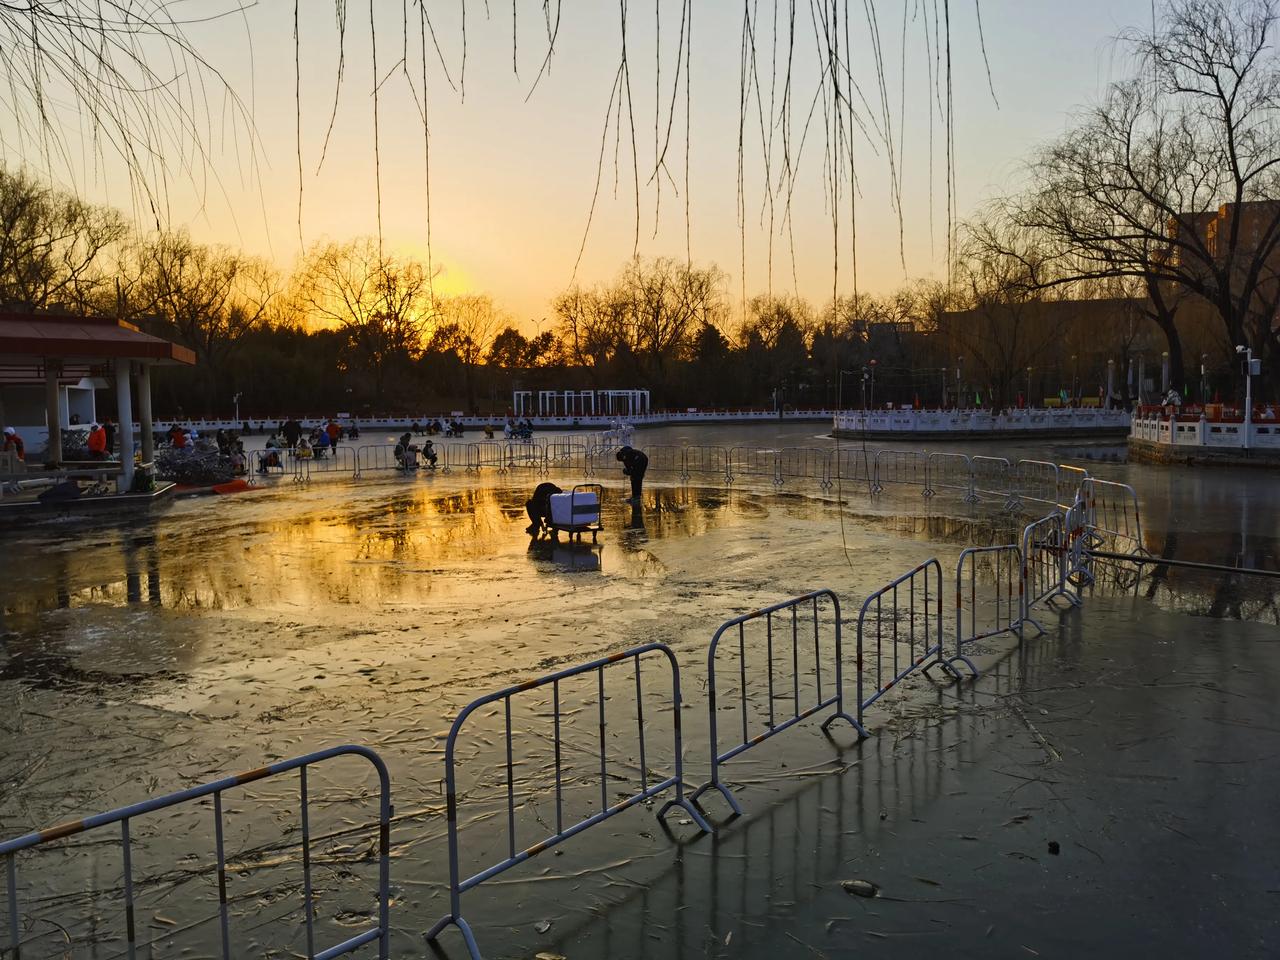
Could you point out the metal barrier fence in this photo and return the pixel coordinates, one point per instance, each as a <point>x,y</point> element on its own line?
<point>458,885</point>
<point>1035,480</point>
<point>802,463</point>
<point>570,454</point>
<point>852,464</point>
<point>665,459</point>
<point>950,471</point>
<point>750,462</point>
<point>993,477</point>
<point>525,454</point>
<point>913,621</point>
<point>1069,480</point>
<point>125,815</point>
<point>341,459</point>
<point>772,726</point>
<point>910,467</point>
<point>272,462</point>
<point>1000,611</point>
<point>1111,516</point>
<point>1045,548</point>
<point>706,461</point>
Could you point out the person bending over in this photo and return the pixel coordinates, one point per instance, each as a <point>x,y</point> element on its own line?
<point>538,507</point>
<point>634,463</point>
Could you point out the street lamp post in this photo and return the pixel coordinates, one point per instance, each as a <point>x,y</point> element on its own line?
<point>1249,371</point>
<point>959,382</point>
<point>1204,379</point>
<point>1075,376</point>
<point>1028,388</point>
<point>873,384</point>
<point>236,400</point>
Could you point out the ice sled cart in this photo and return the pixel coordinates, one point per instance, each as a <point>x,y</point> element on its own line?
<point>578,511</point>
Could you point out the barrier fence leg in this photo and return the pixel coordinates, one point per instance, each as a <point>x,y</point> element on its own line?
<point>1026,605</point>
<point>680,800</point>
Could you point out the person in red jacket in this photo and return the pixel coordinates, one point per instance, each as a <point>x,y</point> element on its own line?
<point>97,442</point>
<point>334,433</point>
<point>14,442</point>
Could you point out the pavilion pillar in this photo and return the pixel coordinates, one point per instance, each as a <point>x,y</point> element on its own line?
<point>52,412</point>
<point>124,417</point>
<point>144,413</point>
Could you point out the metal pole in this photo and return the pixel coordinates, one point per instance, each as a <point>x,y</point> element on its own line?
<point>124,417</point>
<point>1248,395</point>
<point>53,411</point>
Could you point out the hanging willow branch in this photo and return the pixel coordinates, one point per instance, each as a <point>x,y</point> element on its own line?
<point>87,83</point>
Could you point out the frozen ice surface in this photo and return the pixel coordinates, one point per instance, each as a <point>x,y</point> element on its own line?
<point>147,655</point>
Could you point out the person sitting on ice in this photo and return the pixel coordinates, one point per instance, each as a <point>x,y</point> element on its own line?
<point>303,450</point>
<point>429,453</point>
<point>538,507</point>
<point>406,453</point>
<point>321,446</point>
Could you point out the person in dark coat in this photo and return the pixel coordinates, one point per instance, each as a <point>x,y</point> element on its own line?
<point>634,464</point>
<point>538,507</point>
<point>292,431</point>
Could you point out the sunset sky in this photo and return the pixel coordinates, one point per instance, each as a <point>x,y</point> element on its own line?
<point>512,180</point>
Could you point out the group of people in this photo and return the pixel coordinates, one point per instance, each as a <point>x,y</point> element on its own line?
<point>452,427</point>
<point>538,506</point>
<point>409,456</point>
<point>518,430</point>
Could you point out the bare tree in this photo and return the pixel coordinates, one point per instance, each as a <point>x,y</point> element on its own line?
<point>474,320</point>
<point>382,304</point>
<point>1174,179</point>
<point>994,314</point>
<point>54,248</point>
<point>207,297</point>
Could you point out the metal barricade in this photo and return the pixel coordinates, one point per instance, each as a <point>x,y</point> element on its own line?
<point>371,457</point>
<point>124,817</point>
<point>771,724</point>
<point>1045,547</point>
<point>850,464</point>
<point>664,458</point>
<point>750,462</point>
<point>1112,518</point>
<point>1035,480</point>
<point>485,453</point>
<point>1069,480</point>
<point>458,885</point>
<point>906,615</point>
<point>524,454</point>
<point>999,610</point>
<point>805,463</point>
<point>993,477</point>
<point>909,467</point>
<point>267,463</point>
<point>567,453</point>
<point>704,461</point>
<point>950,471</point>
<point>341,459</point>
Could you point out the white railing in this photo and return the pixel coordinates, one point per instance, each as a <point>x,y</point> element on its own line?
<point>981,421</point>
<point>1215,434</point>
